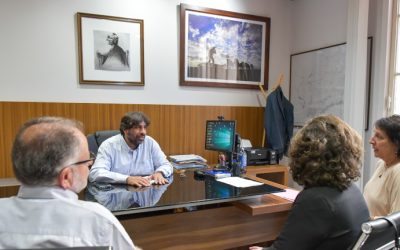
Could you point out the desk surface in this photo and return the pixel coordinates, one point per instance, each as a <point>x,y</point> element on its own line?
<point>183,191</point>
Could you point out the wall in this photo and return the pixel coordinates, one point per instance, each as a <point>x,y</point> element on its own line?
<point>318,23</point>
<point>39,51</point>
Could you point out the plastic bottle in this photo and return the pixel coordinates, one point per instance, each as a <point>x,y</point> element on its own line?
<point>235,168</point>
<point>243,161</point>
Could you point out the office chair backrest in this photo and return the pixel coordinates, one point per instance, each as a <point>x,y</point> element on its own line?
<point>379,233</point>
<point>96,139</point>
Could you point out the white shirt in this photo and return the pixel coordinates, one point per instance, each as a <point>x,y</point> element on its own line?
<point>116,161</point>
<point>43,217</point>
<point>382,192</point>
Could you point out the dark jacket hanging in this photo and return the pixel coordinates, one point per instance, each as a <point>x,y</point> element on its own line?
<point>278,122</point>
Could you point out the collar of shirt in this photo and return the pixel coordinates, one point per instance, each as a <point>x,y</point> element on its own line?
<point>46,192</point>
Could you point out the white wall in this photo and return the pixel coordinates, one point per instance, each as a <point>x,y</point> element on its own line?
<point>318,23</point>
<point>39,51</point>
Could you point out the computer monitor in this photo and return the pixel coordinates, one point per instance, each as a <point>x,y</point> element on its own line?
<point>220,135</point>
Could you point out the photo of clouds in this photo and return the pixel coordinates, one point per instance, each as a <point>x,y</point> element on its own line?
<point>223,48</point>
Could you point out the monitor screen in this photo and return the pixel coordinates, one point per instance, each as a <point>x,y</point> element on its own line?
<point>220,135</point>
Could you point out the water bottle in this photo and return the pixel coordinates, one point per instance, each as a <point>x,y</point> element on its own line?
<point>236,169</point>
<point>243,161</point>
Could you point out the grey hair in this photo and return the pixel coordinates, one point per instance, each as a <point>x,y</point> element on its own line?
<point>42,146</point>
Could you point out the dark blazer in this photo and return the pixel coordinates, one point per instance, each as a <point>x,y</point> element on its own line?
<point>323,218</point>
<point>278,122</point>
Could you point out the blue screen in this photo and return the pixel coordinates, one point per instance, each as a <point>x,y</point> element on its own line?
<point>220,135</point>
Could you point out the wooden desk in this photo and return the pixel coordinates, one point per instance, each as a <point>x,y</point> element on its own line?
<point>275,173</point>
<point>216,228</point>
<point>232,225</point>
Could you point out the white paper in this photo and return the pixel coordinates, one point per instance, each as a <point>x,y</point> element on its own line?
<point>289,194</point>
<point>239,182</point>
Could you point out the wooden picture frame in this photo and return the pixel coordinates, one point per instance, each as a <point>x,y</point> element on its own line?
<point>223,49</point>
<point>110,50</point>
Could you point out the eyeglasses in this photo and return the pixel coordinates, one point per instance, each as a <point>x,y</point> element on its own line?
<point>92,159</point>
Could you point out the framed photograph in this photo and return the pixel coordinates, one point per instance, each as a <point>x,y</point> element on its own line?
<point>223,49</point>
<point>110,50</point>
<point>317,79</point>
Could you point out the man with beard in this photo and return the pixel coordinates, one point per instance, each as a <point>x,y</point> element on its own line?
<point>50,157</point>
<point>131,157</point>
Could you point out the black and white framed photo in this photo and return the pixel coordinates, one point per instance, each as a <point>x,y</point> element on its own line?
<point>110,50</point>
<point>223,49</point>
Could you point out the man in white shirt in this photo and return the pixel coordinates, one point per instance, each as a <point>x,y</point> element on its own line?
<point>51,158</point>
<point>131,157</point>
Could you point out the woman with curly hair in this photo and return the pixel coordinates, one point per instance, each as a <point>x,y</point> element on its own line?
<point>382,191</point>
<point>325,157</point>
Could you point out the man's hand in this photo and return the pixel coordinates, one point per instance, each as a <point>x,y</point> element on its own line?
<point>159,178</point>
<point>138,181</point>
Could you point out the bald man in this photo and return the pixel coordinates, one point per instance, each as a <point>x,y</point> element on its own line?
<point>50,158</point>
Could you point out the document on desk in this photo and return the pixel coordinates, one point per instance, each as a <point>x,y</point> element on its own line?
<point>289,194</point>
<point>239,182</point>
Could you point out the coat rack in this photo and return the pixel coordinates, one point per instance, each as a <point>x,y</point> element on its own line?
<point>266,94</point>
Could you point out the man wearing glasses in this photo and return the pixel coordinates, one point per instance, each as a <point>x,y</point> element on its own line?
<point>50,158</point>
<point>131,157</point>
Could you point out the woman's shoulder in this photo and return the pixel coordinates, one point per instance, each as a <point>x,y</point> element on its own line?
<point>314,194</point>
<point>325,192</point>
<point>330,198</point>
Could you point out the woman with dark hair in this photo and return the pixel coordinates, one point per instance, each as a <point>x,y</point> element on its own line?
<point>325,157</point>
<point>382,191</point>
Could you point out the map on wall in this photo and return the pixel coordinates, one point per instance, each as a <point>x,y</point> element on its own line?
<point>317,79</point>
<point>317,82</point>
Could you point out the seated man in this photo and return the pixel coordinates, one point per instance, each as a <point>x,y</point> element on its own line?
<point>131,157</point>
<point>50,158</point>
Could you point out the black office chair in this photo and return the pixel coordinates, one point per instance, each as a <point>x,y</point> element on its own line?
<point>380,234</point>
<point>98,137</point>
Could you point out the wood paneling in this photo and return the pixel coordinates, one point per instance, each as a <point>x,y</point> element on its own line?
<point>179,129</point>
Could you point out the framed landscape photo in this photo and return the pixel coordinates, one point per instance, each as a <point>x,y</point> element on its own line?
<point>110,50</point>
<point>223,49</point>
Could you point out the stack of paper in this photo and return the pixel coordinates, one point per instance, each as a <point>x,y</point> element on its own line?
<point>187,158</point>
<point>188,165</point>
<point>187,161</point>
